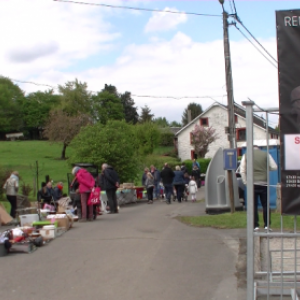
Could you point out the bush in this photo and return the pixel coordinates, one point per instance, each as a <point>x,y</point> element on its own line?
<point>159,161</point>
<point>26,189</point>
<point>114,143</point>
<point>204,162</point>
<point>166,138</point>
<point>4,174</point>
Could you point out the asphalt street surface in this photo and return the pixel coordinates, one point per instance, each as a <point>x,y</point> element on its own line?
<point>143,252</point>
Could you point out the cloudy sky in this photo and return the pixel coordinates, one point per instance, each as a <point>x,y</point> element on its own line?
<point>155,54</point>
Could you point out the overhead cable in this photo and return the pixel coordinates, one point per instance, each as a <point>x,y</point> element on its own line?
<point>254,38</point>
<point>133,95</point>
<point>275,66</point>
<point>138,8</point>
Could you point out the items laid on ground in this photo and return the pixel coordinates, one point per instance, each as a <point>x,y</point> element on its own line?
<point>35,231</point>
<point>39,226</point>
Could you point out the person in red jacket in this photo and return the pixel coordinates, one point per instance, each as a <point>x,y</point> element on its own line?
<point>86,183</point>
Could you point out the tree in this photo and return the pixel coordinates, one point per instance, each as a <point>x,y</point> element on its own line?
<point>161,122</point>
<point>113,143</point>
<point>36,108</point>
<point>10,111</point>
<point>202,137</point>
<point>130,111</point>
<point>62,128</point>
<point>111,89</point>
<point>107,106</point>
<point>175,124</point>
<point>75,98</point>
<point>196,110</point>
<point>146,115</point>
<point>148,136</point>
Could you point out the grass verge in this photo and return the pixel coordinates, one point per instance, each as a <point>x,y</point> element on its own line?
<point>237,220</point>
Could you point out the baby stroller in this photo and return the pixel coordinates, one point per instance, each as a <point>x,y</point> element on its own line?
<point>185,193</point>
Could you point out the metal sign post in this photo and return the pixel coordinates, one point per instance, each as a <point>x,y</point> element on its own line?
<point>250,203</point>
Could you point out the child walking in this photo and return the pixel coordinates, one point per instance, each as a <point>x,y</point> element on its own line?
<point>193,188</point>
<point>149,183</point>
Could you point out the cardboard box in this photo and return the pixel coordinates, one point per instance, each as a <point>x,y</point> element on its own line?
<point>48,234</point>
<point>5,217</point>
<point>60,209</point>
<point>27,220</point>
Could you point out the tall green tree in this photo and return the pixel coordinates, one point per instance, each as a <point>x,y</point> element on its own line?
<point>175,124</point>
<point>130,110</point>
<point>161,122</point>
<point>146,115</point>
<point>196,110</point>
<point>113,143</point>
<point>106,106</point>
<point>75,98</point>
<point>36,108</point>
<point>148,136</point>
<point>111,89</point>
<point>10,110</point>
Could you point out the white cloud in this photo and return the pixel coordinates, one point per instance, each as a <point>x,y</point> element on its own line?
<point>180,67</point>
<point>45,37</point>
<point>163,21</point>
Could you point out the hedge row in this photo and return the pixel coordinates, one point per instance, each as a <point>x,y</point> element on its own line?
<point>204,162</point>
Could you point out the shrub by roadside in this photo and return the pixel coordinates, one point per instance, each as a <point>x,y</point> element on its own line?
<point>204,162</point>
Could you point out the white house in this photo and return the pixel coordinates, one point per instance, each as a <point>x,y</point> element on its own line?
<point>216,116</point>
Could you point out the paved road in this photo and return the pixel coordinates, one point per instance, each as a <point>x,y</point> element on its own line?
<point>141,253</point>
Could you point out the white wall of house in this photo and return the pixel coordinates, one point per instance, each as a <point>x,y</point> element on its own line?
<point>218,119</point>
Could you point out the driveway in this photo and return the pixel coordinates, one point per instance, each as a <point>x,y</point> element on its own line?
<point>142,253</point>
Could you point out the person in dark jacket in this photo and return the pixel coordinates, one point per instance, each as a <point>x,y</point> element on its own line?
<point>58,191</point>
<point>45,193</point>
<point>109,183</point>
<point>167,176</point>
<point>156,176</point>
<point>196,175</point>
<point>184,168</point>
<point>144,177</point>
<point>178,183</point>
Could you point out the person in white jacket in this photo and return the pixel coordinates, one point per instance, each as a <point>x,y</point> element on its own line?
<point>193,188</point>
<point>260,161</point>
<point>11,188</point>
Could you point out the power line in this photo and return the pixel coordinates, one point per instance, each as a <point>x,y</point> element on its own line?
<point>179,98</point>
<point>275,66</point>
<point>138,8</point>
<point>234,6</point>
<point>133,95</point>
<point>254,38</point>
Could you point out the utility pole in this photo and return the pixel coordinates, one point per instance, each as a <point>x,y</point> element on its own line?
<point>229,82</point>
<point>230,101</point>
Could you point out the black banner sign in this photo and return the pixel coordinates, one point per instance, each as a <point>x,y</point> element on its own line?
<point>288,47</point>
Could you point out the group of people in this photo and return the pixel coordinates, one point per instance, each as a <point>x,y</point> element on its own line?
<point>178,180</point>
<point>84,182</point>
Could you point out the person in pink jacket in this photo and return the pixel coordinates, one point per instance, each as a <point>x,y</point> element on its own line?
<point>86,183</point>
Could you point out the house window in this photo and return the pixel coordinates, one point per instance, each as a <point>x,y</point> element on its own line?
<point>235,118</point>
<point>204,122</point>
<point>193,155</point>
<point>191,138</point>
<point>241,134</point>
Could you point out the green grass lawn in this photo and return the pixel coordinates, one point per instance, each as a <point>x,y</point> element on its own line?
<point>163,150</point>
<point>237,220</point>
<point>22,156</point>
